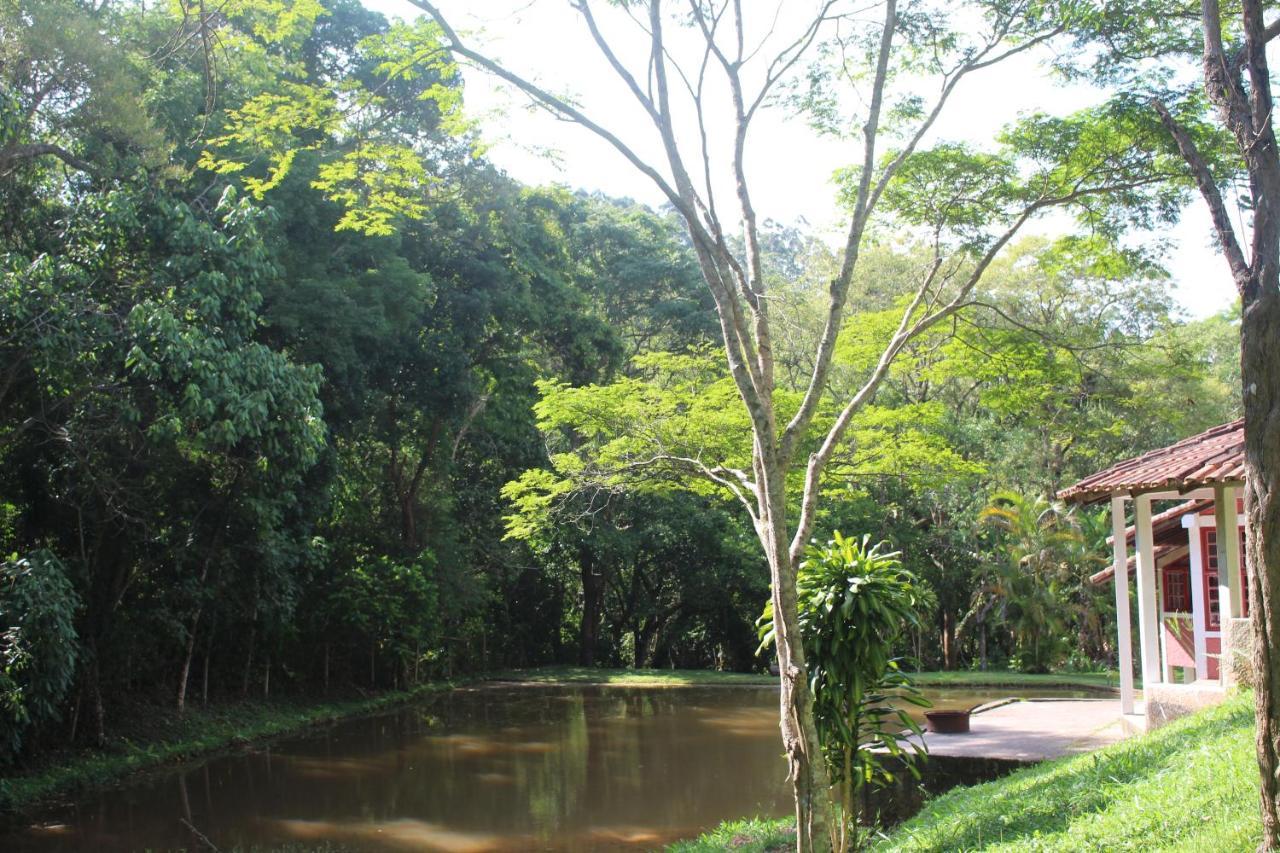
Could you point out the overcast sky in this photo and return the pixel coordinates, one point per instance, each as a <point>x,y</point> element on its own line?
<point>791,166</point>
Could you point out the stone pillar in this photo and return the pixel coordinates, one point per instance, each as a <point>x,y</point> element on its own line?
<point>1124,645</point>
<point>1148,607</point>
<point>1199,607</point>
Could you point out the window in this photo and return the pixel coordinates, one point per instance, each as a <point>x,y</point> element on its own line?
<point>1244,578</point>
<point>1177,589</point>
<point>1213,621</point>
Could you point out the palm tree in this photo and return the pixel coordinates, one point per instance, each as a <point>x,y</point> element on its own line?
<point>1028,585</point>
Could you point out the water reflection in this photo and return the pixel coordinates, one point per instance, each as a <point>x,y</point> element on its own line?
<point>491,768</point>
<point>484,769</point>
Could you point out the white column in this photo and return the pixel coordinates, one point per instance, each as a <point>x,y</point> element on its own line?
<point>1224,503</point>
<point>1199,607</point>
<point>1148,607</point>
<point>1124,646</point>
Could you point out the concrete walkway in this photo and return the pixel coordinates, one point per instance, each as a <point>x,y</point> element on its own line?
<point>1034,730</point>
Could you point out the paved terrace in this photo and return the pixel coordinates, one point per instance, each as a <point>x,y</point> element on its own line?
<point>1034,730</point>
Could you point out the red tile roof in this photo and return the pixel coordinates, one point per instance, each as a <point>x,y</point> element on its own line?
<point>1213,456</point>
<point>1167,521</point>
<point>1162,553</point>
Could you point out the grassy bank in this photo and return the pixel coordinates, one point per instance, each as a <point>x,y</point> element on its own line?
<point>152,738</point>
<point>632,677</point>
<point>687,677</point>
<point>1000,678</point>
<point>1187,787</point>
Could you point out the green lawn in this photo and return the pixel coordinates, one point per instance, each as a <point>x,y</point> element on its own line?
<point>630,677</point>
<point>1002,678</point>
<point>1190,786</point>
<point>685,677</point>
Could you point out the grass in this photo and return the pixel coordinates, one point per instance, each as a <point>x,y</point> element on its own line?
<point>1001,678</point>
<point>153,738</point>
<point>632,677</point>
<point>754,835</point>
<point>1189,786</point>
<point>687,677</point>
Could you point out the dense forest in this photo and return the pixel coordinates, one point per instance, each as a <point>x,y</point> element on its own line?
<point>299,392</point>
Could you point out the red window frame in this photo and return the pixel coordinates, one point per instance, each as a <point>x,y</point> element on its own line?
<point>1177,588</point>
<point>1213,617</point>
<point>1209,543</point>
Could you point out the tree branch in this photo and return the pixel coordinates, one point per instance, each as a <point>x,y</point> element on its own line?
<point>1208,189</point>
<point>839,293</point>
<point>12,156</point>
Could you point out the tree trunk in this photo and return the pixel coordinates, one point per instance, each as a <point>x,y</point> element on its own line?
<point>204,678</point>
<point>807,767</point>
<point>185,675</point>
<point>1247,112</point>
<point>948,641</point>
<point>592,600</point>
<point>95,702</point>
<point>248,663</point>
<point>1260,371</point>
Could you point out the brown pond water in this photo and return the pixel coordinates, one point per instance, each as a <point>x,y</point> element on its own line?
<point>490,768</point>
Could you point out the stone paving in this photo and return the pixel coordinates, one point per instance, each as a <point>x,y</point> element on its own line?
<point>1034,730</point>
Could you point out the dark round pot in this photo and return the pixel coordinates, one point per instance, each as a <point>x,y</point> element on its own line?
<point>947,722</point>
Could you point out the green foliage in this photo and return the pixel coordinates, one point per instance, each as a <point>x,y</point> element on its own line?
<point>37,645</point>
<point>856,603</point>
<point>1046,556</point>
<point>393,606</point>
<point>371,164</point>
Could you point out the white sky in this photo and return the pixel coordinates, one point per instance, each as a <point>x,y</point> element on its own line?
<point>791,166</point>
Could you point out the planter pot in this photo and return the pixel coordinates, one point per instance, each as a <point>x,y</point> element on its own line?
<point>947,722</point>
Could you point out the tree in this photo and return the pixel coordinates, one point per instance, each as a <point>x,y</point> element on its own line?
<point>1224,130</point>
<point>971,203</point>
<point>856,605</point>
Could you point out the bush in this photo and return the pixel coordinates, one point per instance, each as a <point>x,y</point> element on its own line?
<point>37,644</point>
<point>856,603</point>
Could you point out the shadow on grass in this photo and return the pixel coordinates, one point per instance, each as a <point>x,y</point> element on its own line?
<point>1049,798</point>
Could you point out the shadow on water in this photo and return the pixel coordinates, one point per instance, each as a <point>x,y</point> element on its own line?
<point>489,768</point>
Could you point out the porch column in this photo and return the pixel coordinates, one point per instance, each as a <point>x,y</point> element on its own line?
<point>1198,605</point>
<point>1124,646</point>
<point>1148,607</point>
<point>1228,533</point>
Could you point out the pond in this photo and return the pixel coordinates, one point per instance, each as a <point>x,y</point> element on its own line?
<point>488,768</point>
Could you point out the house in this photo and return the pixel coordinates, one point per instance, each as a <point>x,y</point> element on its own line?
<point>1191,600</point>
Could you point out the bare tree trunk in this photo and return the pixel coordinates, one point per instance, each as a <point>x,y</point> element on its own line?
<point>204,678</point>
<point>592,592</point>
<point>95,702</point>
<point>185,675</point>
<point>248,663</point>
<point>806,765</point>
<point>1259,331</point>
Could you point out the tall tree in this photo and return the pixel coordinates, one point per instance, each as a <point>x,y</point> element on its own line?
<point>1224,130</point>
<point>972,203</point>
